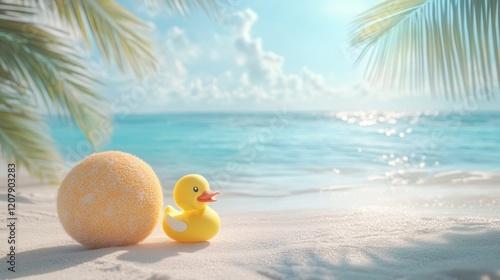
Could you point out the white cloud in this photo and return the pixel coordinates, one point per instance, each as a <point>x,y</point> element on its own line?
<point>255,76</point>
<point>263,70</point>
<point>179,46</point>
<point>261,66</point>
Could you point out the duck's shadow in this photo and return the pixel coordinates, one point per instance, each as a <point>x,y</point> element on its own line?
<point>154,252</point>
<point>51,259</point>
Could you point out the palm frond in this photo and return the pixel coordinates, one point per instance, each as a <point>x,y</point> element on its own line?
<point>22,136</point>
<point>213,8</point>
<point>445,47</point>
<point>118,34</point>
<point>10,96</point>
<point>45,64</point>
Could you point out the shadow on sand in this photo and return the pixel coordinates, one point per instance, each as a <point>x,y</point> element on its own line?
<point>460,254</point>
<point>463,255</point>
<point>50,259</point>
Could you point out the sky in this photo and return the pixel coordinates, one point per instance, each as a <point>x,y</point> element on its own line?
<point>264,55</point>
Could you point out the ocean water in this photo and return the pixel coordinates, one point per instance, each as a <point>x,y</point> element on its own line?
<point>286,153</point>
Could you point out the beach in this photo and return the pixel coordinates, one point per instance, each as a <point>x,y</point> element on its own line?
<point>400,232</point>
<point>331,140</point>
<point>347,195</point>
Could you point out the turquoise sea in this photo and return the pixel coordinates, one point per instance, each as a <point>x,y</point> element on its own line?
<point>287,153</point>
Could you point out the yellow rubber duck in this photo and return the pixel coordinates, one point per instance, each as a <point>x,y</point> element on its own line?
<point>196,222</point>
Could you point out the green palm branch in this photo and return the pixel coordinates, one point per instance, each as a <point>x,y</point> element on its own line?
<point>37,65</point>
<point>119,35</point>
<point>447,47</point>
<point>213,8</point>
<point>22,136</point>
<point>40,68</point>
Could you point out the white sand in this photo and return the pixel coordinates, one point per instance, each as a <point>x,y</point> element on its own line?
<point>362,233</point>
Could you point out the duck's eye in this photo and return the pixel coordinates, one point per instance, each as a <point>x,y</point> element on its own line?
<point>195,189</point>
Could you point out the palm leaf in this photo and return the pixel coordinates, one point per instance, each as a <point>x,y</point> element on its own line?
<point>118,35</point>
<point>38,64</point>
<point>213,8</point>
<point>446,47</point>
<point>22,137</point>
<point>9,93</point>
<point>44,64</point>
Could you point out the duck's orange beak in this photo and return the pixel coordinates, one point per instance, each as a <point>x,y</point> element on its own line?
<point>208,196</point>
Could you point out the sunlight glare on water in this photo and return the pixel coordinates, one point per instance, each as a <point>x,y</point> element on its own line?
<point>297,152</point>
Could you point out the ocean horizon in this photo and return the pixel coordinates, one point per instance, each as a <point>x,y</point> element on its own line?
<point>291,153</point>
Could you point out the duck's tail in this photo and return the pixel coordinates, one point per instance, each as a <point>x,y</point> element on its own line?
<point>169,210</point>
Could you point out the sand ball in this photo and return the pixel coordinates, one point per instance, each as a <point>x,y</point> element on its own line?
<point>110,199</point>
